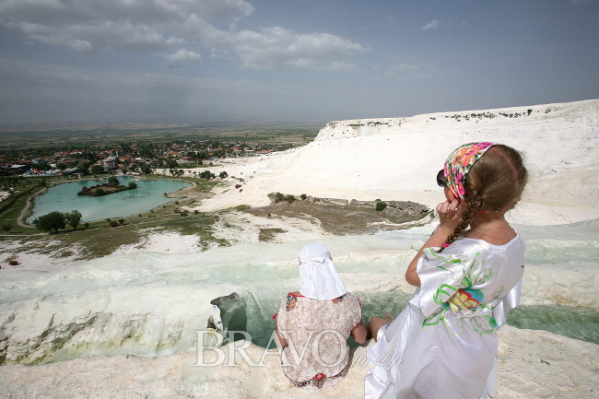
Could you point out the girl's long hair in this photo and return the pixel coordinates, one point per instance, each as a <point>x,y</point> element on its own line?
<point>495,182</point>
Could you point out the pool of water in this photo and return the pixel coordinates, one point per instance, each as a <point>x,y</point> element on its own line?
<point>148,195</point>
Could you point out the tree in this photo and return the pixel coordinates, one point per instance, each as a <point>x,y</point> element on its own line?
<point>82,169</point>
<point>113,180</point>
<point>6,227</point>
<point>223,174</point>
<point>172,164</point>
<point>99,192</point>
<point>73,219</point>
<point>97,169</point>
<point>207,175</point>
<point>52,221</point>
<point>146,169</point>
<point>121,221</point>
<point>132,185</point>
<point>380,206</point>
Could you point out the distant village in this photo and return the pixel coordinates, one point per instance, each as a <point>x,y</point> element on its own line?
<point>128,159</point>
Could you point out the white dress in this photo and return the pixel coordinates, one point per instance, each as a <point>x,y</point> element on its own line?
<point>444,343</point>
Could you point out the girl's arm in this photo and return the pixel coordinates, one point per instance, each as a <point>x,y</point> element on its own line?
<point>358,333</point>
<point>450,214</point>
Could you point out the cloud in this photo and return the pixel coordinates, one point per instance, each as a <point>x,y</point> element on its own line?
<point>176,30</point>
<point>183,55</point>
<point>431,25</point>
<point>277,47</point>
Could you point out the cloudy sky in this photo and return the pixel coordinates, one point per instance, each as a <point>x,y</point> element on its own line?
<point>311,60</point>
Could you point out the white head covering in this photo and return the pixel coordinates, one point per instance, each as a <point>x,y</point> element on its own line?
<point>319,276</point>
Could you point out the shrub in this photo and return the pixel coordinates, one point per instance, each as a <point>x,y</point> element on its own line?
<point>380,206</point>
<point>121,221</point>
<point>86,225</point>
<point>303,196</point>
<point>290,198</point>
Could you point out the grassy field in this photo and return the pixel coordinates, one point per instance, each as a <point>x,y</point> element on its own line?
<point>98,137</point>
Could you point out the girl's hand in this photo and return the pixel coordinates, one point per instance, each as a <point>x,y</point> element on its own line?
<point>450,214</point>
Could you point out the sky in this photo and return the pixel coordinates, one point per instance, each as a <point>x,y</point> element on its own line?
<point>290,60</point>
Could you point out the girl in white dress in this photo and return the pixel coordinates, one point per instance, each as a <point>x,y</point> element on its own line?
<point>468,274</point>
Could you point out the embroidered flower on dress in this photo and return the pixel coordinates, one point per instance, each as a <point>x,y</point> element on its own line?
<point>291,301</point>
<point>464,300</point>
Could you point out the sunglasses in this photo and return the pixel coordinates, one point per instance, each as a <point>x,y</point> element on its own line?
<point>441,181</point>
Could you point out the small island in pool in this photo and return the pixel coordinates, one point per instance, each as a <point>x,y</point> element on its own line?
<point>112,186</point>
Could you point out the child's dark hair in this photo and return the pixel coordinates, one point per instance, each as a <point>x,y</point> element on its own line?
<point>494,183</point>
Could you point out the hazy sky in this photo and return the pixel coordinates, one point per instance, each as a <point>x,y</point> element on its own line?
<point>313,60</point>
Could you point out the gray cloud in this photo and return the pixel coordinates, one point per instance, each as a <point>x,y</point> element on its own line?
<point>176,30</point>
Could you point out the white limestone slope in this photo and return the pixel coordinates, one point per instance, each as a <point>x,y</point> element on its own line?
<point>398,158</point>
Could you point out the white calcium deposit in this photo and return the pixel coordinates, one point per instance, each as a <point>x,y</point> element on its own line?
<point>398,159</point>
<point>124,326</point>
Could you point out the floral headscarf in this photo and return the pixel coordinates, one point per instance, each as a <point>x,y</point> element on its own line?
<point>459,163</point>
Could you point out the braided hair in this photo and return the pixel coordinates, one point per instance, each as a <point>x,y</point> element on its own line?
<point>494,183</point>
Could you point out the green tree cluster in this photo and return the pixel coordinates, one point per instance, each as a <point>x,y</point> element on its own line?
<point>55,221</point>
<point>207,175</point>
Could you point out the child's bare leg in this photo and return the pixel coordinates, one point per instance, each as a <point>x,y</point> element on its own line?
<point>374,325</point>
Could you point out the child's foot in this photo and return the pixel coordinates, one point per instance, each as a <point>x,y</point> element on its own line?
<point>387,316</point>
